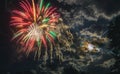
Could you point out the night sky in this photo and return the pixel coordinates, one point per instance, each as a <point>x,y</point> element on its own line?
<point>91,11</point>
<point>5,45</point>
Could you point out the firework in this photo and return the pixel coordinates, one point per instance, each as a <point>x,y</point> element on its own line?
<point>35,26</point>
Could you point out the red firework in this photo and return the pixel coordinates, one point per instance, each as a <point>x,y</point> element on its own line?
<point>35,25</point>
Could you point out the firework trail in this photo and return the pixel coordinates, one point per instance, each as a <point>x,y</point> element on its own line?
<point>35,26</point>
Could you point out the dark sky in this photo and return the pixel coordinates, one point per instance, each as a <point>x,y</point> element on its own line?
<point>91,10</point>
<point>5,45</point>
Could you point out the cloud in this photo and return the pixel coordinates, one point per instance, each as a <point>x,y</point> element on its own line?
<point>93,9</point>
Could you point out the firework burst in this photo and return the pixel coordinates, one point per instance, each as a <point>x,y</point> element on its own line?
<point>35,26</point>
